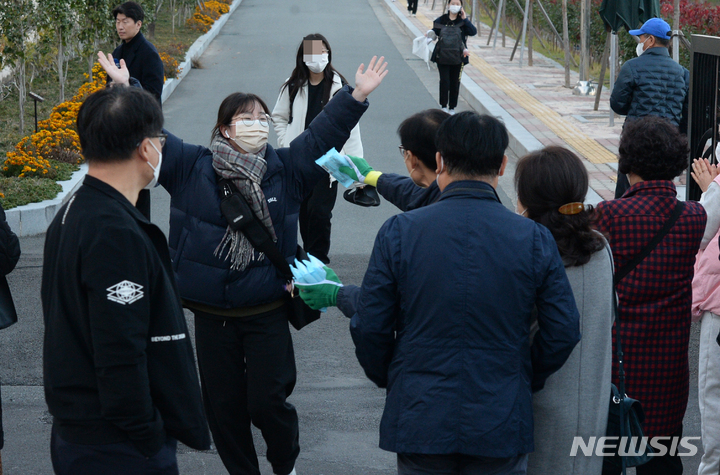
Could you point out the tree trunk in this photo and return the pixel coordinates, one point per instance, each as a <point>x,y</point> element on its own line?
<point>676,26</point>
<point>566,41</point>
<point>151,31</point>
<point>584,59</point>
<point>530,33</point>
<point>21,94</point>
<point>60,64</point>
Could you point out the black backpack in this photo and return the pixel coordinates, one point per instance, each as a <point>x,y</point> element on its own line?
<point>450,46</point>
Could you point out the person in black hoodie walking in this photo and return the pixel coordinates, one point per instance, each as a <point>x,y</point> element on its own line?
<point>118,365</point>
<point>451,53</point>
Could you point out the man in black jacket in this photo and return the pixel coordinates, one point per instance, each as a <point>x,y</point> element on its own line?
<point>141,57</point>
<point>651,84</point>
<point>119,371</point>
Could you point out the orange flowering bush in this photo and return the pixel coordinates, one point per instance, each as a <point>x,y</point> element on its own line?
<point>203,19</point>
<point>56,138</point>
<point>200,22</point>
<point>220,7</point>
<point>170,65</point>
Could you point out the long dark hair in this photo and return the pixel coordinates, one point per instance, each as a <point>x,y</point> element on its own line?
<point>301,74</point>
<point>547,179</point>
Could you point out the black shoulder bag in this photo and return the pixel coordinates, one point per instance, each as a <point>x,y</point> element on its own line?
<point>626,416</point>
<point>240,217</point>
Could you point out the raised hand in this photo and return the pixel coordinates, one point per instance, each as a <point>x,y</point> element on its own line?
<point>366,80</point>
<point>703,173</point>
<point>121,75</point>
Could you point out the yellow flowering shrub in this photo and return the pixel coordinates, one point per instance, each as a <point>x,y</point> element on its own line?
<point>203,19</point>
<point>56,138</point>
<point>200,22</point>
<point>170,65</point>
<point>220,7</point>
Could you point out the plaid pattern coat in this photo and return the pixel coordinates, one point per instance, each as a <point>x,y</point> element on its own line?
<point>655,298</point>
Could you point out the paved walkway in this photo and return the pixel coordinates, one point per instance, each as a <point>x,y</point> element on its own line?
<point>536,98</point>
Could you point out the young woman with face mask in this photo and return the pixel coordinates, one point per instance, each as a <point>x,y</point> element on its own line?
<point>310,87</point>
<point>244,348</point>
<point>451,71</point>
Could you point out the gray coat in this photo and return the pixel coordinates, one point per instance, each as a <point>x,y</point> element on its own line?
<point>574,401</point>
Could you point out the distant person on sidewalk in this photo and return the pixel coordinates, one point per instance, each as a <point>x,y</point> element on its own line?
<point>311,85</point>
<point>451,53</point>
<point>412,7</point>
<point>118,367</point>
<point>444,315</point>
<point>9,256</point>
<point>655,297</point>
<point>652,84</point>
<point>706,309</point>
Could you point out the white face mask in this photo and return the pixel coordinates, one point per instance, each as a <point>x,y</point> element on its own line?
<point>251,138</point>
<point>156,169</point>
<point>639,48</point>
<point>316,62</point>
<point>717,151</point>
<point>455,9</point>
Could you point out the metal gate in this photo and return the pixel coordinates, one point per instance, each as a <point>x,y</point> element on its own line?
<point>704,105</point>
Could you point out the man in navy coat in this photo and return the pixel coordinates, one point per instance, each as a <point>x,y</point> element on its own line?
<point>443,317</point>
<point>141,57</point>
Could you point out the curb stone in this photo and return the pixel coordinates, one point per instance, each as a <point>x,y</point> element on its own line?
<point>34,218</point>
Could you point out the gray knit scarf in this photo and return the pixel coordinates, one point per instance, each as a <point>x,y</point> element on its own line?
<point>246,171</point>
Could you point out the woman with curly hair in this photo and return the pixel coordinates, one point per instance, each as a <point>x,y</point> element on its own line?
<point>551,185</point>
<point>655,297</point>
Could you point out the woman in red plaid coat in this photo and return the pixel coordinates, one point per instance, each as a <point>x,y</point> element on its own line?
<point>655,298</point>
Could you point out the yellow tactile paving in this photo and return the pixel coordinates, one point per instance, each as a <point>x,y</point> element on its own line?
<point>584,145</point>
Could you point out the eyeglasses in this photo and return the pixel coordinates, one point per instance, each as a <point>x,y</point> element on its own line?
<point>264,120</point>
<point>162,138</point>
<point>402,150</point>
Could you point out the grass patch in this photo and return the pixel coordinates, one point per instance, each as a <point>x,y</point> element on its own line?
<point>21,191</point>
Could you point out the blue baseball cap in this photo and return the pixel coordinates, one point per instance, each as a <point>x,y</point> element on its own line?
<point>654,26</point>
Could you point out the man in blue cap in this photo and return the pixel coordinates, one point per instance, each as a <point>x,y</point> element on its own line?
<point>652,84</point>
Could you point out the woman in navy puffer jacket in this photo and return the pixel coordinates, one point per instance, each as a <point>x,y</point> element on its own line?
<point>244,348</point>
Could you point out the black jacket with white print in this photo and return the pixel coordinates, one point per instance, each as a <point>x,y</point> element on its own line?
<point>118,361</point>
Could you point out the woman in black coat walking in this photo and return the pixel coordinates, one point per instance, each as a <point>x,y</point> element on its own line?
<point>451,53</point>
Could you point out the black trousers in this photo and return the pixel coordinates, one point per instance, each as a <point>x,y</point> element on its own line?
<point>247,370</point>
<point>449,84</point>
<point>622,185</point>
<point>460,464</point>
<point>664,465</point>
<point>412,6</point>
<point>110,459</point>
<point>315,215</point>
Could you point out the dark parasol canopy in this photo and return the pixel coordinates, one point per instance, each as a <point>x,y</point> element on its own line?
<point>628,13</point>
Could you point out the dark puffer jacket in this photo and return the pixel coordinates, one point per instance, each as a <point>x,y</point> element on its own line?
<point>197,225</point>
<point>652,84</point>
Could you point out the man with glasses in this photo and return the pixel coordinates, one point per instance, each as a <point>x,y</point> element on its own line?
<point>141,57</point>
<point>119,372</point>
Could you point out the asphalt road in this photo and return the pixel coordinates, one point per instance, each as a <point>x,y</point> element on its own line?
<point>339,408</point>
